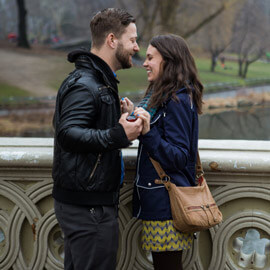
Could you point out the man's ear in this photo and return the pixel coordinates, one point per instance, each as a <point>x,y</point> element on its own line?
<point>111,41</point>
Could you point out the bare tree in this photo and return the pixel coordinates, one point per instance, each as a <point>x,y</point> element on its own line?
<point>40,20</point>
<point>147,10</point>
<point>7,21</point>
<point>208,16</point>
<point>70,18</point>
<point>216,46</point>
<point>22,26</point>
<point>216,36</point>
<point>168,11</point>
<point>251,36</point>
<point>174,16</point>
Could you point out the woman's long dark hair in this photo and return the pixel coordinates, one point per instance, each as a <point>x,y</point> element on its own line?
<point>178,70</point>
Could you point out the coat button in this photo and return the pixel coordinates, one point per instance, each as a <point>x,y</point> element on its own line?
<point>149,184</point>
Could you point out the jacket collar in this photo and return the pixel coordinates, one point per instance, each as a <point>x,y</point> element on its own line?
<point>182,89</point>
<point>86,59</point>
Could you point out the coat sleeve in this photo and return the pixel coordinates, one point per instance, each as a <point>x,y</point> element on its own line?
<point>76,130</point>
<point>171,150</point>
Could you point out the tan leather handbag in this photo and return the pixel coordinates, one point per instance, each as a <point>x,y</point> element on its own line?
<point>193,208</point>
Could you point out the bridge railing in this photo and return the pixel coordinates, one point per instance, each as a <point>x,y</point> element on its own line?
<point>238,173</point>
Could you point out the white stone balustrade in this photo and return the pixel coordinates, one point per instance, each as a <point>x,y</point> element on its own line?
<point>238,173</point>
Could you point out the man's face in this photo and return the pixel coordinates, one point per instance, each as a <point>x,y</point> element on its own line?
<point>127,47</point>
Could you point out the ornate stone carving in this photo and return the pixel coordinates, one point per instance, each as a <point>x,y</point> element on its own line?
<point>30,237</point>
<point>252,251</point>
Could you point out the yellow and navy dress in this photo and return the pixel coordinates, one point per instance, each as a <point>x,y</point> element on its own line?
<point>162,236</point>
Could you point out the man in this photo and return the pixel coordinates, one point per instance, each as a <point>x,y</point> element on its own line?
<point>88,135</point>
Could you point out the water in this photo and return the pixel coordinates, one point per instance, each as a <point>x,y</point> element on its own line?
<point>249,123</point>
<point>242,123</point>
<point>245,123</point>
<point>237,92</point>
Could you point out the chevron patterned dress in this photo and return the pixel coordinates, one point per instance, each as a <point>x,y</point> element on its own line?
<point>162,236</point>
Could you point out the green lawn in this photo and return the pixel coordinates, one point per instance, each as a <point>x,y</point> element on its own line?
<point>256,70</point>
<point>7,91</point>
<point>132,80</point>
<point>60,71</point>
<point>135,79</point>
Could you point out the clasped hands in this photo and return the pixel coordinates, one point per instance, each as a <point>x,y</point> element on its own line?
<point>142,123</point>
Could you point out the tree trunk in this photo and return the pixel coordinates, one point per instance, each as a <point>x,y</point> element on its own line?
<point>240,64</point>
<point>213,63</point>
<point>168,15</point>
<point>22,33</point>
<point>244,74</point>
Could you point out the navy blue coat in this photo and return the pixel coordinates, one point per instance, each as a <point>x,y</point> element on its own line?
<point>173,142</point>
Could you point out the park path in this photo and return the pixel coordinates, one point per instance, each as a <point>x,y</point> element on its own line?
<point>31,72</point>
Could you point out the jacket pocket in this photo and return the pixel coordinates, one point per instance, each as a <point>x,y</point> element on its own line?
<point>106,99</point>
<point>105,95</point>
<point>107,111</point>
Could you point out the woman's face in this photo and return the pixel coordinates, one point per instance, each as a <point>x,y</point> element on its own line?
<point>152,63</point>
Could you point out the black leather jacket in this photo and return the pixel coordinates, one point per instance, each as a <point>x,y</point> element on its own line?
<point>87,161</point>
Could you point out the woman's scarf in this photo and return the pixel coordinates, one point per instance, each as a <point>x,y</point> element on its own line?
<point>144,104</point>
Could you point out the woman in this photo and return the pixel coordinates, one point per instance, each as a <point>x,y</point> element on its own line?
<point>170,136</point>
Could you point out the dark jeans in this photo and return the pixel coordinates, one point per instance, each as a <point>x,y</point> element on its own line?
<point>91,236</point>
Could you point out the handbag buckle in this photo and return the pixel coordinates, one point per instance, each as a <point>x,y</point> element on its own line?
<point>199,174</point>
<point>165,178</point>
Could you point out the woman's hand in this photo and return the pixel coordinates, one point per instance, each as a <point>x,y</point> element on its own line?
<point>126,105</point>
<point>145,116</point>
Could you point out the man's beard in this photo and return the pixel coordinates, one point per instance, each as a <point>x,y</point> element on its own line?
<point>122,57</point>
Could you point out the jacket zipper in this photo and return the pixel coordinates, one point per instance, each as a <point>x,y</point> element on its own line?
<point>137,180</point>
<point>95,167</point>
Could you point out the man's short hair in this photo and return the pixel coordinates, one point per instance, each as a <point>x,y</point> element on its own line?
<point>110,20</point>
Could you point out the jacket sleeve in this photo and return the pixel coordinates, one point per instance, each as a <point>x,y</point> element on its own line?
<point>76,130</point>
<point>172,149</point>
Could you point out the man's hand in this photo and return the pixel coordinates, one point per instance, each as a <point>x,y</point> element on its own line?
<point>132,129</point>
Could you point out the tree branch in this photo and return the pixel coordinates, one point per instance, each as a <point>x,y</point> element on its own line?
<point>204,22</point>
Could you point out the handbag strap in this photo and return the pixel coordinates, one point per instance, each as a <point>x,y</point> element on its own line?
<point>164,177</point>
<point>199,167</point>
<point>159,169</point>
